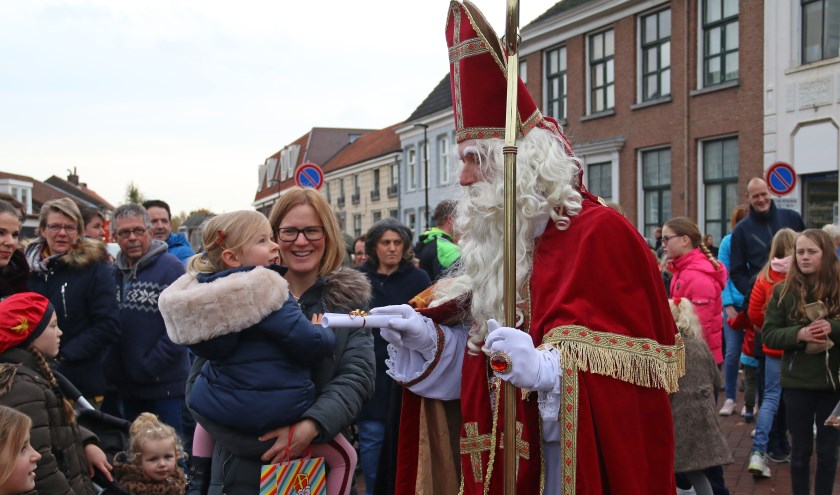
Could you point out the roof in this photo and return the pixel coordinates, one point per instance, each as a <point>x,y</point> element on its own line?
<point>559,7</point>
<point>195,219</point>
<point>77,192</point>
<point>41,192</point>
<point>439,99</point>
<point>316,146</point>
<point>367,147</point>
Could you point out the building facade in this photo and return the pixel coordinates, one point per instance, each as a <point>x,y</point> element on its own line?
<point>662,101</point>
<point>802,102</point>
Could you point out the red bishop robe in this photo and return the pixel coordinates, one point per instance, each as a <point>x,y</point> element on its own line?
<point>596,295</point>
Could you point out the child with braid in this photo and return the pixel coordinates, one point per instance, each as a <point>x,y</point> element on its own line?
<point>29,337</point>
<point>697,276</point>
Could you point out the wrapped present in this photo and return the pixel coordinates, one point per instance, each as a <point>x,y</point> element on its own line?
<point>297,477</point>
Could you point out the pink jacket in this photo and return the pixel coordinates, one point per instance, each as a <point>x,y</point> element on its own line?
<point>697,279</point>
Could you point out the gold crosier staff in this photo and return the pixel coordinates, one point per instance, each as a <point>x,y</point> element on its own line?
<point>511,132</point>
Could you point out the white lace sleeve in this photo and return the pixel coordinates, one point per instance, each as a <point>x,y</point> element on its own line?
<point>438,377</point>
<point>549,399</point>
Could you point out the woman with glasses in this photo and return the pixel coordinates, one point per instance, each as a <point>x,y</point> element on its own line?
<point>803,319</point>
<point>312,248</point>
<point>73,273</point>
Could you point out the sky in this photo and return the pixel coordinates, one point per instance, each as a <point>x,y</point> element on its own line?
<point>187,98</point>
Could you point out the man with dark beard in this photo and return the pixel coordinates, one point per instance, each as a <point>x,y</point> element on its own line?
<point>595,349</point>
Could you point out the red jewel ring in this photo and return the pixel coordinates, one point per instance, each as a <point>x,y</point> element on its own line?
<point>500,362</point>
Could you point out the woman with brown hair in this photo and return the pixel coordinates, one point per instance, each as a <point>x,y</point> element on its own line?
<point>803,319</point>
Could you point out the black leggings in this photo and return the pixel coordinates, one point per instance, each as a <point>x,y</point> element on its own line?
<point>804,409</point>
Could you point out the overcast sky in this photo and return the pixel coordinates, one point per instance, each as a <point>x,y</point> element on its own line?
<point>187,98</point>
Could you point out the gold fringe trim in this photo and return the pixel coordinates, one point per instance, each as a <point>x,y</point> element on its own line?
<point>643,362</point>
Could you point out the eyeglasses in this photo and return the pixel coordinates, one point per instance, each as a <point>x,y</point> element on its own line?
<point>56,228</point>
<point>125,234</point>
<point>290,234</point>
<point>666,238</point>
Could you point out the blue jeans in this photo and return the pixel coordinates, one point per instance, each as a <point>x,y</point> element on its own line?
<point>770,404</point>
<point>734,341</point>
<point>168,410</point>
<point>371,434</point>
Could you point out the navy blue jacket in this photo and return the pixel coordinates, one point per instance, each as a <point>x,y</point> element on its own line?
<point>751,241</point>
<point>268,365</point>
<point>80,286</point>
<point>398,287</point>
<point>144,364</point>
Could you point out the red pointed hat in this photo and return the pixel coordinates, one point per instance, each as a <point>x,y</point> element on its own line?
<point>478,78</point>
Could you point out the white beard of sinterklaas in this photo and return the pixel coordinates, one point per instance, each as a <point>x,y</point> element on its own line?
<point>546,192</point>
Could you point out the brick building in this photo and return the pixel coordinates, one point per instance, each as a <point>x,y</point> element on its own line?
<point>662,100</point>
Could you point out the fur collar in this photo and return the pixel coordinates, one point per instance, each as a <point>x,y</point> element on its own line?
<point>195,311</point>
<point>345,288</point>
<point>132,478</point>
<point>84,253</point>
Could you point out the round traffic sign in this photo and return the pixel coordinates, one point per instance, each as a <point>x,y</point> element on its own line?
<point>309,175</point>
<point>781,178</point>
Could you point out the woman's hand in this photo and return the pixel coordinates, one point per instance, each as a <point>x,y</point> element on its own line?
<point>97,459</point>
<point>304,433</point>
<point>817,332</point>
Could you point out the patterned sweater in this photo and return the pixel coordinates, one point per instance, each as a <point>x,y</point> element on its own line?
<point>145,364</point>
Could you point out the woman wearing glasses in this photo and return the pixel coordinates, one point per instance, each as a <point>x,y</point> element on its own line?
<point>73,273</point>
<point>312,248</point>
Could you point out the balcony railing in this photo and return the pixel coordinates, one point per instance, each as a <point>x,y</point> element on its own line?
<point>393,190</point>
<point>340,201</point>
<point>356,198</point>
<point>374,195</point>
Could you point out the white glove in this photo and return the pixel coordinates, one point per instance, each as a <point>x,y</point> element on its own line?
<point>410,330</point>
<point>531,368</point>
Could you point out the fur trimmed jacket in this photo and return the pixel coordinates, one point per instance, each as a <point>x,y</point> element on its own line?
<point>81,287</point>
<point>132,478</point>
<point>344,381</point>
<point>63,468</point>
<point>259,346</point>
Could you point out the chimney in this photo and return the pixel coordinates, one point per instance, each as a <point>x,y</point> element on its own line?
<point>73,177</point>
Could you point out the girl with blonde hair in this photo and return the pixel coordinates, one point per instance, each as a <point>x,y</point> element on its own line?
<point>151,466</point>
<point>251,331</point>
<point>18,459</point>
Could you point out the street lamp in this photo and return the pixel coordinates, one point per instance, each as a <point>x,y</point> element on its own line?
<point>425,167</point>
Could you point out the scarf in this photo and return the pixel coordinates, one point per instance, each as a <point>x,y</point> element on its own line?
<point>39,264</point>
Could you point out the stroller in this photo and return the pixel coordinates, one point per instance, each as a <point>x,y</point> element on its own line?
<point>111,430</point>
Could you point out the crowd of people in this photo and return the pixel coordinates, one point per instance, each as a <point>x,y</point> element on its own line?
<point>219,361</point>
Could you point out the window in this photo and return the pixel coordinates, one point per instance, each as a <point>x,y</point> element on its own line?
<point>329,194</point>
<point>411,220</point>
<point>720,180</point>
<point>443,160</point>
<point>376,180</point>
<point>357,225</point>
<point>656,188</point>
<point>412,169</point>
<point>393,214</point>
<point>555,81</point>
<point>656,55</point>
<point>820,30</point>
<point>425,163</point>
<point>600,179</point>
<point>601,72</point>
<point>395,174</point>
<point>377,216</point>
<point>523,71</point>
<point>720,41</point>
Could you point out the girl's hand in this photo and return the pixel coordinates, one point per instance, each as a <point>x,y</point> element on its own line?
<point>97,459</point>
<point>317,318</point>
<point>817,332</point>
<point>304,433</point>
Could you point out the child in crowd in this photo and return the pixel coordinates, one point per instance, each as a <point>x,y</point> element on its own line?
<point>17,457</point>
<point>234,308</point>
<point>29,336</point>
<point>151,466</point>
<point>699,443</point>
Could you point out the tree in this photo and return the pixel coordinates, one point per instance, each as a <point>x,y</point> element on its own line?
<point>133,194</point>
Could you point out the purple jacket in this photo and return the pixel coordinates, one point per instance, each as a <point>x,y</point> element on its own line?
<point>697,279</point>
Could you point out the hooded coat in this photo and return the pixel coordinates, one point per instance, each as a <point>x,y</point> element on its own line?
<point>697,279</point>
<point>80,286</point>
<point>344,382</point>
<point>63,468</point>
<point>259,345</point>
<point>179,247</point>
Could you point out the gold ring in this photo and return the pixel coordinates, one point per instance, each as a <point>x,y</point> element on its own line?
<point>500,362</point>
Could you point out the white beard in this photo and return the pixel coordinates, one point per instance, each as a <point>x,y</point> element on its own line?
<point>545,189</point>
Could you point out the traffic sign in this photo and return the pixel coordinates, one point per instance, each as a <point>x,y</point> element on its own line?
<point>309,175</point>
<point>781,178</point>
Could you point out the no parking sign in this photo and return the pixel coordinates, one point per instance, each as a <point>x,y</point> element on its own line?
<point>781,178</point>
<point>309,175</point>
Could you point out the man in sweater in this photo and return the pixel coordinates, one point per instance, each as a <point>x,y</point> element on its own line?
<point>149,371</point>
